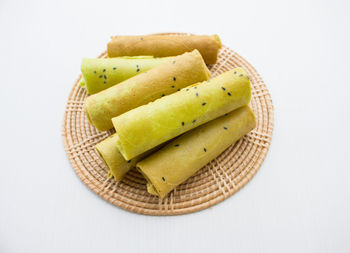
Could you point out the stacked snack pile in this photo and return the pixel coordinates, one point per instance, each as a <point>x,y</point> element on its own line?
<point>170,118</point>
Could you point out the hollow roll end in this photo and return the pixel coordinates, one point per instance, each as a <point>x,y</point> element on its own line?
<point>217,39</point>
<point>205,67</point>
<point>87,111</point>
<point>109,47</point>
<point>93,108</point>
<point>151,190</point>
<point>251,115</point>
<point>116,165</point>
<point>242,76</point>
<point>100,153</point>
<point>82,82</point>
<point>120,148</point>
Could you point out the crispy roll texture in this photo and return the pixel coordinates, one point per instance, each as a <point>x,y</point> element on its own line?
<point>184,156</point>
<point>150,125</point>
<point>165,45</point>
<point>160,81</point>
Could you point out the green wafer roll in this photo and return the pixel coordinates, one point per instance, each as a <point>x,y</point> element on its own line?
<point>100,74</point>
<point>150,125</point>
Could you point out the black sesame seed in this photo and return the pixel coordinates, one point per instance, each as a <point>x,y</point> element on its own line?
<point>174,62</point>
<point>204,103</point>
<point>100,76</point>
<point>223,88</point>
<point>187,89</point>
<point>137,70</point>
<point>95,72</point>
<point>195,87</point>
<point>104,82</point>
<point>172,86</point>
<point>182,123</point>
<point>104,70</point>
<point>129,161</point>
<point>229,93</point>
<point>197,94</point>
<point>225,128</point>
<point>205,150</point>
<point>104,76</point>
<point>163,95</point>
<point>176,145</point>
<point>194,121</point>
<point>174,78</point>
<point>178,89</point>
<point>114,68</point>
<point>235,72</point>
<point>241,75</point>
<point>163,179</point>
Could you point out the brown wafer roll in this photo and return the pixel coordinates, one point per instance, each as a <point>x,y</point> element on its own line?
<point>165,45</point>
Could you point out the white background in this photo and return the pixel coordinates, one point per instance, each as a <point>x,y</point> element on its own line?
<point>299,201</point>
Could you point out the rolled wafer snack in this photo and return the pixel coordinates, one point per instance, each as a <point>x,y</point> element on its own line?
<point>184,156</point>
<point>100,74</point>
<point>147,126</point>
<point>165,45</point>
<point>162,80</point>
<point>116,164</point>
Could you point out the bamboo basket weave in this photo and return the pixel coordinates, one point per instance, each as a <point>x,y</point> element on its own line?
<point>215,182</point>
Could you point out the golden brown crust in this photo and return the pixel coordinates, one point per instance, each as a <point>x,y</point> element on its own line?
<point>165,45</point>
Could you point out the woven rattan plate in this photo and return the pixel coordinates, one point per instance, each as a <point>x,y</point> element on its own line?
<point>215,182</point>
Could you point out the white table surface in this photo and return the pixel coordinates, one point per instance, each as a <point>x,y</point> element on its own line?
<point>299,201</point>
